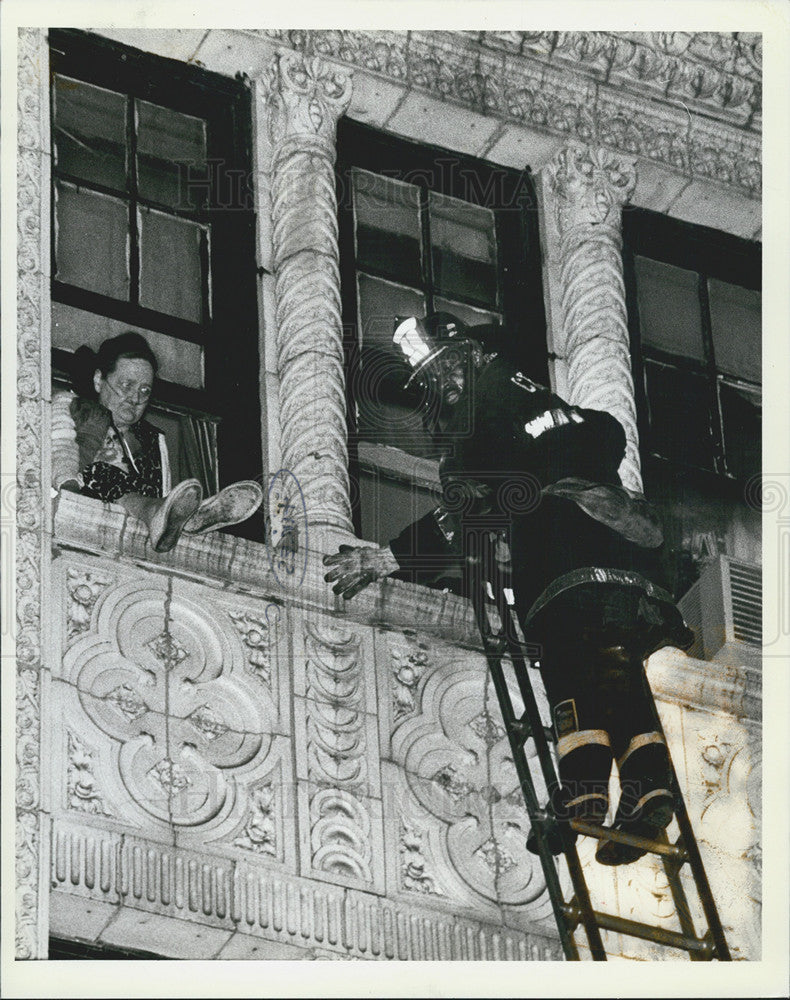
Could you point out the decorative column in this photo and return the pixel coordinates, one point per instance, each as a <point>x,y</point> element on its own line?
<point>30,493</point>
<point>589,188</point>
<point>305,99</point>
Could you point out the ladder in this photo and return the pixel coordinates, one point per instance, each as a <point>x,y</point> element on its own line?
<point>555,837</point>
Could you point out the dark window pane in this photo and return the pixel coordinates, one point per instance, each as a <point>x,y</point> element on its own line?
<point>379,302</point>
<point>386,415</point>
<point>735,315</point>
<point>389,504</point>
<point>171,273</point>
<point>741,412</point>
<point>388,232</point>
<point>179,360</point>
<point>92,241</point>
<point>89,127</point>
<point>669,309</point>
<point>679,405</point>
<point>464,250</point>
<point>171,156</point>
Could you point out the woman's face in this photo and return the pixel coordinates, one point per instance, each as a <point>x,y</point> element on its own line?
<point>126,391</point>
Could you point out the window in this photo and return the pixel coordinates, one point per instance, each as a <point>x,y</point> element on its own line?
<point>694,309</point>
<point>423,230</point>
<point>153,231</point>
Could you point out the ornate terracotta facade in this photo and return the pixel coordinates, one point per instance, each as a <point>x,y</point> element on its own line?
<point>304,100</point>
<point>228,749</point>
<point>589,188</point>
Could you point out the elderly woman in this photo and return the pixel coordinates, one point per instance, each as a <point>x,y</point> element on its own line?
<point>103,447</point>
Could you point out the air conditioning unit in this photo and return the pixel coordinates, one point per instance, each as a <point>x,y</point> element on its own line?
<point>724,607</point>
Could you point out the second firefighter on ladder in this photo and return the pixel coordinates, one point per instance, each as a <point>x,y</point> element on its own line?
<point>584,561</point>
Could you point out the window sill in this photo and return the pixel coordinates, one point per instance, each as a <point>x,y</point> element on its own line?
<point>236,564</point>
<point>398,464</point>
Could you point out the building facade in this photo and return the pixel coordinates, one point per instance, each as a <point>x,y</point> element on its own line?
<point>216,757</point>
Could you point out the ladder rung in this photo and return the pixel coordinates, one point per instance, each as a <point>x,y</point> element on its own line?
<point>495,645</point>
<point>632,928</point>
<point>523,730</point>
<point>674,851</point>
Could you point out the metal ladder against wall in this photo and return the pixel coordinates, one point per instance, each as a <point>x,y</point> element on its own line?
<point>506,641</point>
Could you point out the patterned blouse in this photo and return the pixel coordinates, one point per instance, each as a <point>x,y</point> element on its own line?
<point>117,470</point>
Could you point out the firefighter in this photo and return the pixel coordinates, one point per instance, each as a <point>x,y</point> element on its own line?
<point>583,560</point>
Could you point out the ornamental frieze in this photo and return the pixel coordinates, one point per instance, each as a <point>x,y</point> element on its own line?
<point>687,100</point>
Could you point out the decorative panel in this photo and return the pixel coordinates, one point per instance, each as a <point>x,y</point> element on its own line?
<point>454,814</point>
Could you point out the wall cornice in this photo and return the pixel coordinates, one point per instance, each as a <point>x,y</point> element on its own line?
<point>689,101</point>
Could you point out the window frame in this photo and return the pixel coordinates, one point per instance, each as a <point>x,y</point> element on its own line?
<point>710,253</point>
<point>509,193</point>
<point>229,333</point>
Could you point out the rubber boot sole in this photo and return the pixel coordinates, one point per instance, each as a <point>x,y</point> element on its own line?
<point>177,508</point>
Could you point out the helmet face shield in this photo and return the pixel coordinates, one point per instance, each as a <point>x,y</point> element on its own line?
<point>443,359</point>
<point>421,348</point>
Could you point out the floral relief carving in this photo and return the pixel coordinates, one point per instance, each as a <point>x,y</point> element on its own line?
<point>309,96</point>
<point>496,857</point>
<point>590,186</point>
<point>28,858</point>
<point>487,728</point>
<point>258,637</point>
<point>32,543</point>
<point>260,829</point>
<point>83,794</point>
<point>409,664</point>
<point>128,701</point>
<point>413,874</point>
<point>84,590</point>
<point>730,821</point>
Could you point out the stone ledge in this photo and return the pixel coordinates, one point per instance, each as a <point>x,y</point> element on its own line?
<point>241,566</point>
<point>236,564</point>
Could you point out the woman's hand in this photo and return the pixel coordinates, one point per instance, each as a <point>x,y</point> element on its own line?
<point>355,567</point>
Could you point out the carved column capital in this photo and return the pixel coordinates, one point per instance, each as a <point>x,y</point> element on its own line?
<point>590,186</point>
<point>306,98</point>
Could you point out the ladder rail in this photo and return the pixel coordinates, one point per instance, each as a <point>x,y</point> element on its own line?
<point>482,567</point>
<point>690,845</point>
<point>533,806</point>
<point>532,712</point>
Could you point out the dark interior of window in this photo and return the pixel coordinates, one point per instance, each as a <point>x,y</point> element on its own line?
<point>423,229</point>
<point>153,230</point>
<point>694,308</point>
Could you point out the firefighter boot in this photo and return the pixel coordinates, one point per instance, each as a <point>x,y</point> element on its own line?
<point>646,803</point>
<point>585,761</point>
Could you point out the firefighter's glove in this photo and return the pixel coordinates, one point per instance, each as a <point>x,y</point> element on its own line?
<point>353,568</point>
